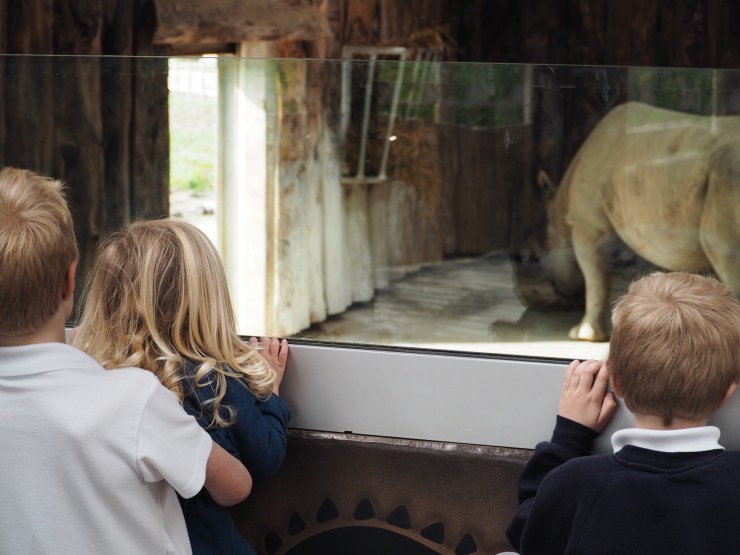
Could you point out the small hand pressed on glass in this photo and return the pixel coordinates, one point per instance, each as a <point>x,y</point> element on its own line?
<point>585,397</point>
<point>275,352</point>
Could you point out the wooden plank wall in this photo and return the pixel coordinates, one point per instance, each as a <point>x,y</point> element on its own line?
<point>99,124</point>
<point>671,33</point>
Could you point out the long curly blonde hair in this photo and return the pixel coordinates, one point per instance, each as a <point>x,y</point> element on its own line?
<point>157,296</point>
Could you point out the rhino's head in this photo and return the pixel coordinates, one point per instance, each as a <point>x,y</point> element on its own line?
<point>559,263</point>
<point>547,275</point>
<point>561,269</point>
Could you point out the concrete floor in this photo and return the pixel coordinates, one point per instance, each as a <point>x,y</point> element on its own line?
<point>461,304</point>
<point>464,304</point>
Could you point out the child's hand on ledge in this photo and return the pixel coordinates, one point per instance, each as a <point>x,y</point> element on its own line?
<point>585,398</point>
<point>276,353</point>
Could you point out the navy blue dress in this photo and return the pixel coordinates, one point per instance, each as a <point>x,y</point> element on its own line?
<point>258,438</point>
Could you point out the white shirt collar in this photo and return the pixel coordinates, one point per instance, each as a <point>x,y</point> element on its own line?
<point>43,357</point>
<point>688,440</point>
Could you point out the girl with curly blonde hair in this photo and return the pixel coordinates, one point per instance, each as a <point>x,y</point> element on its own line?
<point>158,299</point>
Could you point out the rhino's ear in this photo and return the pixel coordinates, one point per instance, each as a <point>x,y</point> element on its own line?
<point>544,181</point>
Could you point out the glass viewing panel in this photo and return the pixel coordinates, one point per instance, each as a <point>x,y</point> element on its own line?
<point>392,199</point>
<point>193,131</point>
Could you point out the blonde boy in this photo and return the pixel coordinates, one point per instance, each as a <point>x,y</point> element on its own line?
<point>90,459</point>
<point>670,487</point>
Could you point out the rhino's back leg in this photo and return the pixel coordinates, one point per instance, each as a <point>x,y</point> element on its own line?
<point>720,223</point>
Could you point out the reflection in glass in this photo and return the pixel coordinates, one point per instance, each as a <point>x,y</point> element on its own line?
<point>437,234</point>
<point>193,105</point>
<point>395,199</point>
<point>416,203</point>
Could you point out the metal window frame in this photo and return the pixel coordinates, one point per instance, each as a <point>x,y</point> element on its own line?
<point>370,54</point>
<point>444,397</point>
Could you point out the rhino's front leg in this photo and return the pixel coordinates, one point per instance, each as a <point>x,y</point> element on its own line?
<point>589,244</point>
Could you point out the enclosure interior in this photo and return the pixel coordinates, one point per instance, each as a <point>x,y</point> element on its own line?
<point>394,200</point>
<point>387,212</point>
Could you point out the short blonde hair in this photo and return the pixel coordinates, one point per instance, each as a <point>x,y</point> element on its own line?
<point>158,295</point>
<point>37,247</point>
<point>675,346</point>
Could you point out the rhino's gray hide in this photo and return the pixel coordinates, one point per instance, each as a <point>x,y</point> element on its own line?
<point>666,183</point>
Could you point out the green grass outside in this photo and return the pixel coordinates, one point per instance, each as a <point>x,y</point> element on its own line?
<point>192,142</point>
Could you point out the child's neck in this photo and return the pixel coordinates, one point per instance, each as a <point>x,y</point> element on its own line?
<point>652,422</point>
<point>51,332</point>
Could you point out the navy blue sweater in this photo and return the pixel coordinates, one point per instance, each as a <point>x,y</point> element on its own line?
<point>258,438</point>
<point>638,501</point>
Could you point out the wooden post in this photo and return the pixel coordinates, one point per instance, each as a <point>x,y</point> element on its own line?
<point>150,144</point>
<point>595,90</point>
<point>29,86</point>
<point>399,19</point>
<point>723,21</point>
<point>359,22</point>
<point>116,105</point>
<point>3,50</point>
<point>631,37</point>
<point>78,144</point>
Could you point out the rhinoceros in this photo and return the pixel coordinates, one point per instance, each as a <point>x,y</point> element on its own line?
<point>666,183</point>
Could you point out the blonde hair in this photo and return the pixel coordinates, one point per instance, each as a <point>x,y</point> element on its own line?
<point>37,247</point>
<point>675,346</point>
<point>158,295</point>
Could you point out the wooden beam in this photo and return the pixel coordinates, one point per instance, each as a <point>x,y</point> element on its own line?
<point>195,21</point>
<point>203,48</point>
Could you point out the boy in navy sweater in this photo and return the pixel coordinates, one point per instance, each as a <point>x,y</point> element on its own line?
<point>669,487</point>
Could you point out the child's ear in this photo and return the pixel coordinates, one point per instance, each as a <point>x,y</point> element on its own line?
<point>615,386</point>
<point>728,394</point>
<point>68,285</point>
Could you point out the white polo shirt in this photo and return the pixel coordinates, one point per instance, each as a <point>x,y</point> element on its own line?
<point>89,458</point>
